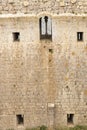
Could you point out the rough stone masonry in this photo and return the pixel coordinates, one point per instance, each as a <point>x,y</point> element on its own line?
<point>43,63</point>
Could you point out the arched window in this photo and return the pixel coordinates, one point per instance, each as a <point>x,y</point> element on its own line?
<point>45,28</point>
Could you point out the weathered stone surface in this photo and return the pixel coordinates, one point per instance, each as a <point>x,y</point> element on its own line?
<point>52,6</point>
<point>42,80</point>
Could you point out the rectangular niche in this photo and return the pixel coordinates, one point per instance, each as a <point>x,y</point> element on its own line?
<point>16,36</point>
<point>79,36</point>
<point>70,118</point>
<point>20,119</point>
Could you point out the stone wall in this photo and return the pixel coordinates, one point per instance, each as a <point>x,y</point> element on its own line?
<point>36,6</point>
<point>40,84</point>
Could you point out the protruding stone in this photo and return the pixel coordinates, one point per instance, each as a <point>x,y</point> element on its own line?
<point>26,3</point>
<point>73,1</point>
<point>10,1</point>
<point>62,3</point>
<point>51,105</point>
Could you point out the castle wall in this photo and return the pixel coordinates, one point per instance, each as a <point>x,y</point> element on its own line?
<point>42,85</point>
<point>36,6</point>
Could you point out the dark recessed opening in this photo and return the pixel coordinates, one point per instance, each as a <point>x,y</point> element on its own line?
<point>84,116</point>
<point>75,82</point>
<point>79,36</point>
<point>51,50</point>
<point>67,87</point>
<point>70,118</point>
<point>45,25</point>
<point>20,119</point>
<point>16,36</point>
<point>50,60</point>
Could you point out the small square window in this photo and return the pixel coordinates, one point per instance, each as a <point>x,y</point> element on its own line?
<point>20,119</point>
<point>70,118</point>
<point>51,50</point>
<point>79,36</point>
<point>16,36</point>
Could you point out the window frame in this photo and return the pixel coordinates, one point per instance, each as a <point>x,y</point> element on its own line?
<point>80,36</point>
<point>46,35</point>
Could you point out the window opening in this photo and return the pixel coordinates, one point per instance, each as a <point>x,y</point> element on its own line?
<point>16,36</point>
<point>51,50</point>
<point>45,28</point>
<point>70,118</point>
<point>79,36</point>
<point>20,119</point>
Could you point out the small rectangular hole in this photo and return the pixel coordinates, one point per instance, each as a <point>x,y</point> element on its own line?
<point>79,36</point>
<point>20,119</point>
<point>16,36</point>
<point>70,118</point>
<point>51,50</point>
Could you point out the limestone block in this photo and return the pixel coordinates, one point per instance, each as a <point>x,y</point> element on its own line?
<point>80,3</point>
<point>25,3</point>
<point>0,7</point>
<point>6,8</point>
<point>10,1</point>
<point>62,3</point>
<point>51,105</point>
<point>73,1</point>
<point>85,92</point>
